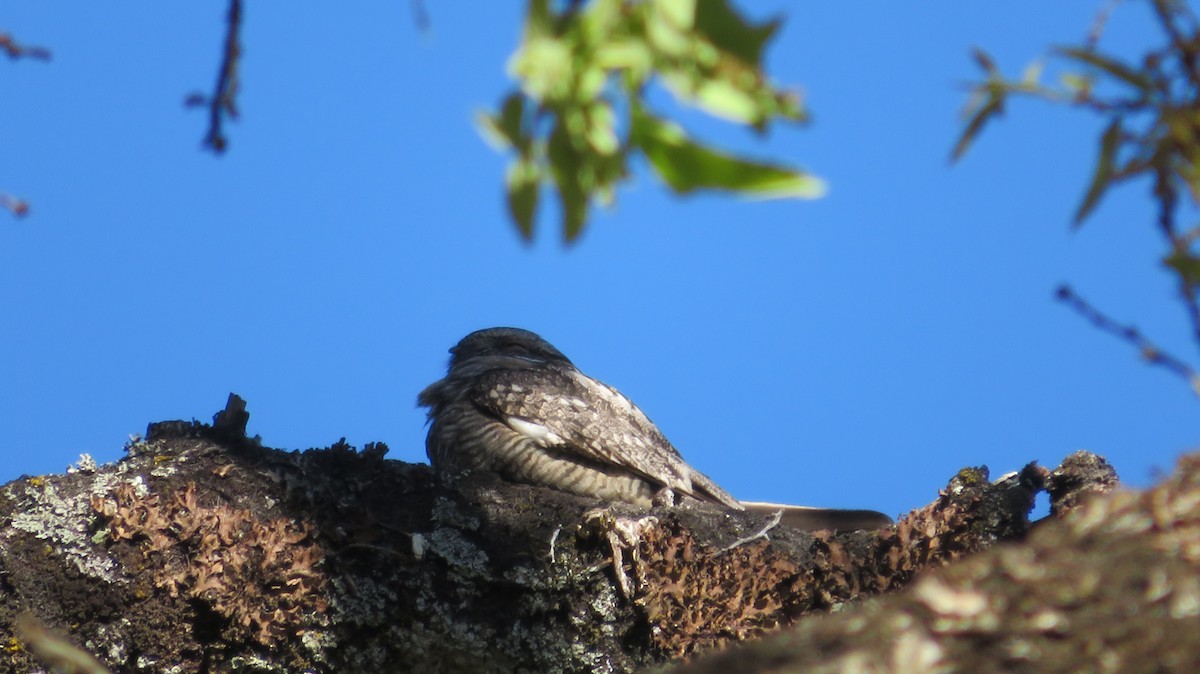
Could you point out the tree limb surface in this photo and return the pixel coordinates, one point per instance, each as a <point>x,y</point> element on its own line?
<point>203,551</point>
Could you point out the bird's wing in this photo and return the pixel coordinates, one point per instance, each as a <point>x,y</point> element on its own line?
<point>566,410</point>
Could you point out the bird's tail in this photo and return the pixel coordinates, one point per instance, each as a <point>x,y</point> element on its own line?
<point>816,519</point>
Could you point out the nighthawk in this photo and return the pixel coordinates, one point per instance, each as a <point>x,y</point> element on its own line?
<point>514,405</point>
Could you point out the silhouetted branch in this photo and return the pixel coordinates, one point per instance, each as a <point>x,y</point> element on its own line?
<point>16,50</point>
<point>1151,352</point>
<point>420,15</point>
<point>223,101</point>
<point>18,207</point>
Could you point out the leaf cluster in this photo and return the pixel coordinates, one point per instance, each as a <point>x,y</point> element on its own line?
<point>1151,109</point>
<point>578,114</point>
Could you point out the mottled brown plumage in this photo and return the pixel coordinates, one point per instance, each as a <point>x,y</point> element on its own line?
<point>513,404</point>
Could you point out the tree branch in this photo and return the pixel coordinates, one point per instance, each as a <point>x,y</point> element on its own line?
<point>223,102</point>
<point>16,50</point>
<point>1149,350</point>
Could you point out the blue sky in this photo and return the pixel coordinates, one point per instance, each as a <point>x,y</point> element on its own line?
<point>852,351</point>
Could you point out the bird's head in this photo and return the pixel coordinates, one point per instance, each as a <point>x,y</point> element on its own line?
<point>503,343</point>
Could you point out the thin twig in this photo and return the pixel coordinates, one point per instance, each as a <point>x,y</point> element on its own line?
<point>1101,22</point>
<point>1149,350</point>
<point>18,207</point>
<point>1187,53</point>
<point>420,16</point>
<point>16,50</point>
<point>762,533</point>
<point>223,102</point>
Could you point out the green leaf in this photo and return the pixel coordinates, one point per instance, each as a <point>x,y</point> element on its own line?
<point>665,33</point>
<point>522,182</point>
<point>574,209</point>
<point>687,166</point>
<point>490,128</point>
<point>569,170</point>
<point>985,61</point>
<point>505,130</point>
<point>1102,177</point>
<point>680,13</point>
<point>629,55</point>
<point>1187,265</point>
<point>729,32</point>
<point>600,18</point>
<point>511,112</point>
<point>1033,73</point>
<point>993,106</point>
<point>601,129</point>
<point>1079,85</point>
<point>543,66</point>
<point>539,18</point>
<point>717,97</point>
<point>1109,65</point>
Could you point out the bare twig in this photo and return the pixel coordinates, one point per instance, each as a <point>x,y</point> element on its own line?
<point>420,15</point>
<point>15,50</point>
<point>1166,13</point>
<point>1100,22</point>
<point>223,102</point>
<point>553,540</point>
<point>18,207</point>
<point>1149,350</point>
<point>762,533</point>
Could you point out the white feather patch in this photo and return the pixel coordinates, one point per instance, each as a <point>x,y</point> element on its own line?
<point>536,432</point>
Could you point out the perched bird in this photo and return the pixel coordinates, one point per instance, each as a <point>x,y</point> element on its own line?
<point>514,405</point>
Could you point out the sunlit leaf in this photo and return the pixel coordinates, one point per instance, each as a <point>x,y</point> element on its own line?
<point>601,132</point>
<point>507,129</point>
<point>1079,85</point>
<point>490,128</point>
<point>716,96</point>
<point>681,13</point>
<point>543,67</point>
<point>600,17</point>
<point>1109,65</point>
<point>632,55</point>
<point>687,166</point>
<point>582,67</point>
<point>1033,73</point>
<point>666,35</point>
<point>1102,176</point>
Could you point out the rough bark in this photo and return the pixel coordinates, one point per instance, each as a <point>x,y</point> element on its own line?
<point>1114,586</point>
<point>202,551</point>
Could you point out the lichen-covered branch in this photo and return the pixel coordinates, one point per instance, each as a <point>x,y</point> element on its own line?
<point>204,551</point>
<point>1113,586</point>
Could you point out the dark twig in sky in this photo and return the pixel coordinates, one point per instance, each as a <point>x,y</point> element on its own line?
<point>16,50</point>
<point>223,102</point>
<point>420,16</point>
<point>1148,349</point>
<point>18,207</point>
